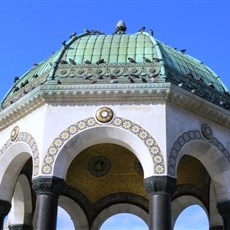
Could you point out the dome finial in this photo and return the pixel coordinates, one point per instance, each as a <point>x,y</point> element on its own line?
<point>121,27</point>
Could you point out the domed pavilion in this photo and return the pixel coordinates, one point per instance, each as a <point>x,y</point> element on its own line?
<point>115,123</point>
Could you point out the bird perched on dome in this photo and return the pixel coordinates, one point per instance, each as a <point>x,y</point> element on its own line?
<point>72,35</point>
<point>86,31</point>
<point>100,61</point>
<point>64,43</point>
<point>142,29</point>
<point>151,32</point>
<point>131,60</point>
<point>72,61</point>
<point>86,61</point>
<point>146,60</point>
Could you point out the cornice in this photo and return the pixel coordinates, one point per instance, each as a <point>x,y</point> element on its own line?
<point>115,94</point>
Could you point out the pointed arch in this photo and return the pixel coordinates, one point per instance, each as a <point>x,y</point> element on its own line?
<point>118,126</point>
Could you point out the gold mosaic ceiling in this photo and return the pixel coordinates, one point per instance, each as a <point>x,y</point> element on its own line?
<point>104,169</point>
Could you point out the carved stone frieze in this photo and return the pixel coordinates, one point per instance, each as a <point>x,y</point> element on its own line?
<point>48,185</point>
<point>160,184</point>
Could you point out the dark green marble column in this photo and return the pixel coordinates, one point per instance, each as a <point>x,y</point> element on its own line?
<point>224,210</point>
<point>5,207</point>
<point>47,190</point>
<point>160,190</point>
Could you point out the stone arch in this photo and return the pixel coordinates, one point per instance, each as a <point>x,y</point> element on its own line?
<point>117,209</point>
<point>21,210</point>
<point>12,161</point>
<point>75,211</point>
<point>183,202</point>
<point>210,152</point>
<point>118,126</point>
<point>215,218</point>
<point>29,140</point>
<point>185,138</point>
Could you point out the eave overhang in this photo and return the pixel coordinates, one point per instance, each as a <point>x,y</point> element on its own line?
<point>116,94</point>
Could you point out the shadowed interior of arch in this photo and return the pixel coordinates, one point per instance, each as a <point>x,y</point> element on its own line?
<point>105,169</point>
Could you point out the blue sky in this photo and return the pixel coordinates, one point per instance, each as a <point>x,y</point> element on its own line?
<point>192,218</point>
<point>31,30</point>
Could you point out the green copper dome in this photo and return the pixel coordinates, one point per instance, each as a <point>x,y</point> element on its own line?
<point>97,58</point>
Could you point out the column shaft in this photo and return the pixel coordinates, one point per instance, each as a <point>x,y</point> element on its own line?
<point>160,212</point>
<point>5,207</point>
<point>45,216</point>
<point>160,190</point>
<point>47,190</point>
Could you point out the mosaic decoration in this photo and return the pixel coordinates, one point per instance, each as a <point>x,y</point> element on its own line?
<point>59,142</point>
<point>206,131</point>
<point>14,133</point>
<point>28,139</point>
<point>99,166</point>
<point>186,137</point>
<point>104,114</point>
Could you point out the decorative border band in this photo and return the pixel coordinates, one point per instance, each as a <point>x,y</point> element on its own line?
<point>68,133</point>
<point>185,138</point>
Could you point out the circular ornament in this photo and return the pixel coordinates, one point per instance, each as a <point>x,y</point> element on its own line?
<point>104,114</point>
<point>99,166</point>
<point>14,133</point>
<point>206,131</point>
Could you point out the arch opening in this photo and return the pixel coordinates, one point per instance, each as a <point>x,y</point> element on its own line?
<point>213,162</point>
<point>64,220</point>
<point>193,217</point>
<point>99,135</point>
<point>21,210</point>
<point>124,221</point>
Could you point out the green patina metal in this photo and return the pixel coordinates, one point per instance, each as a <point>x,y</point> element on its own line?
<point>123,59</point>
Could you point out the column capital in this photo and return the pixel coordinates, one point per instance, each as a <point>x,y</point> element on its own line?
<point>48,185</point>
<point>224,208</point>
<point>5,207</point>
<point>160,185</point>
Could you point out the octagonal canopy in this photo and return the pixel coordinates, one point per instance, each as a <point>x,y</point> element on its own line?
<point>97,58</point>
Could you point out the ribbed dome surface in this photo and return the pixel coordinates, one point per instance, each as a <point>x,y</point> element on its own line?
<point>95,58</point>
